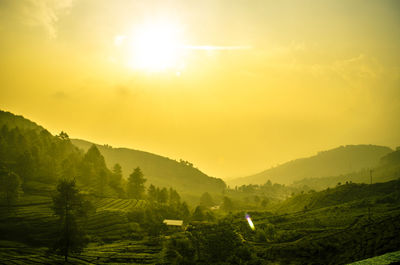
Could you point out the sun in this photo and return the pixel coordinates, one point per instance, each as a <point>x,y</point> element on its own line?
<point>156,47</point>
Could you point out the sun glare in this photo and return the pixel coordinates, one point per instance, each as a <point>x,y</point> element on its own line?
<point>156,47</point>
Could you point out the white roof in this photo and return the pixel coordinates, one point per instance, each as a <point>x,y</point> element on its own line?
<point>173,222</point>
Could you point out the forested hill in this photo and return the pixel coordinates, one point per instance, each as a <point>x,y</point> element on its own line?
<point>388,169</point>
<point>341,160</point>
<point>12,121</point>
<point>363,194</point>
<point>36,155</point>
<point>159,170</point>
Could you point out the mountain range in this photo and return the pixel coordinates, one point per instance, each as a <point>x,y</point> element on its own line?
<point>337,161</point>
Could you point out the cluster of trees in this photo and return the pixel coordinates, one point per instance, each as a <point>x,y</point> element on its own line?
<point>210,243</point>
<point>36,155</point>
<point>268,189</point>
<point>92,171</point>
<point>160,204</point>
<point>9,187</point>
<point>258,197</point>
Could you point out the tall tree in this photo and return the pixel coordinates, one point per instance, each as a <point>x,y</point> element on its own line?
<point>227,204</point>
<point>162,196</point>
<point>184,211</point>
<point>136,182</point>
<point>206,200</point>
<point>93,170</point>
<point>116,179</point>
<point>152,193</point>
<point>9,186</point>
<point>174,198</point>
<point>69,206</point>
<point>198,214</point>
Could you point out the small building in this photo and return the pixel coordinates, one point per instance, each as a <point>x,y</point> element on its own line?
<point>214,208</point>
<point>173,225</point>
<point>173,222</point>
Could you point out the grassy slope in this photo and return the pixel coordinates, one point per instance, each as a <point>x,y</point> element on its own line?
<point>335,229</point>
<point>31,222</point>
<point>386,259</point>
<point>333,162</point>
<point>361,193</point>
<point>331,235</point>
<point>388,169</point>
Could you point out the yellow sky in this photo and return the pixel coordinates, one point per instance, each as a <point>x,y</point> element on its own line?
<point>241,85</point>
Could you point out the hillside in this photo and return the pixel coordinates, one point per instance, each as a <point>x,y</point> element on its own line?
<point>388,169</point>
<point>335,226</point>
<point>12,121</point>
<point>341,160</point>
<point>363,194</point>
<point>160,171</point>
<point>35,155</point>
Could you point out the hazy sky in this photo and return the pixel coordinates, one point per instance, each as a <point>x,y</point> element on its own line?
<point>232,86</point>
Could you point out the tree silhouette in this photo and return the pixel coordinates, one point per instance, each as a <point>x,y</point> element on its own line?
<point>152,193</point>
<point>9,186</point>
<point>227,204</point>
<point>69,206</point>
<point>136,182</point>
<point>116,179</point>
<point>198,214</point>
<point>206,200</point>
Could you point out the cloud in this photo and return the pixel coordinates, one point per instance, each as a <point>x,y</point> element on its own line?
<point>217,48</point>
<point>310,59</point>
<point>42,13</point>
<point>60,95</point>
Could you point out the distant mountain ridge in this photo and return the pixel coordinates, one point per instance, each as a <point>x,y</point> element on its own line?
<point>337,161</point>
<point>160,171</point>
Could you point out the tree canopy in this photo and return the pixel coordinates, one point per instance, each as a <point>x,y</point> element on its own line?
<point>69,206</point>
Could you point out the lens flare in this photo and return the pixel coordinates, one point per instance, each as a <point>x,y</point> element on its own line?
<point>250,222</point>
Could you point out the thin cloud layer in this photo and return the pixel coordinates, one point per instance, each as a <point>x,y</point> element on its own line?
<point>38,13</point>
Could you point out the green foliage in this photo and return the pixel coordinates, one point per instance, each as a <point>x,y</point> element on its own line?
<point>160,171</point>
<point>227,204</point>
<point>173,197</point>
<point>94,172</point>
<point>9,187</point>
<point>152,193</point>
<point>206,200</point>
<point>162,195</point>
<point>165,204</point>
<point>198,214</point>
<point>116,180</point>
<point>34,154</point>
<point>337,161</point>
<point>136,182</point>
<point>69,206</point>
<point>180,250</point>
<point>207,243</point>
<point>349,192</point>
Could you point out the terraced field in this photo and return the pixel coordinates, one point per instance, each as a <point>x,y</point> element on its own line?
<point>386,259</point>
<point>338,234</point>
<point>122,252</point>
<point>118,204</point>
<point>32,220</point>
